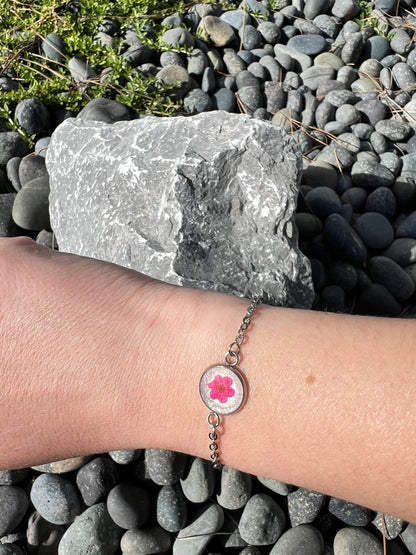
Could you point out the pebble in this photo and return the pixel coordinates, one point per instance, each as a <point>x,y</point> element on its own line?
<point>403,75</point>
<point>145,541</point>
<point>394,130</point>
<point>53,46</point>
<point>275,485</point>
<point>93,532</point>
<point>31,205</point>
<point>217,30</point>
<point>165,467</point>
<point>409,166</point>
<point>392,525</point>
<point>125,456</point>
<point>262,521</point>
<point>199,481</point>
<point>408,536</point>
<point>176,76</point>
<point>197,101</point>
<point>345,9</point>
<point>12,477</point>
<point>349,513</point>
<point>304,506</point>
<point>60,467</point>
<point>178,36</point>
<point>383,201</point>
<point>14,503</point>
<point>195,537</point>
<point>344,240</point>
<point>356,540</point>
<point>171,58</point>
<point>33,116</point>
<point>171,510</point>
<point>12,145</point>
<point>11,549</point>
<point>315,76</point>
<point>323,201</point>
<point>128,505</point>
<point>392,276</point>
<point>8,227</point>
<point>303,539</point>
<point>55,498</point>
<point>343,274</point>
<point>105,110</point>
<point>80,71</point>
<point>236,18</point>
<point>235,488</point>
<point>96,479</point>
<point>375,230</point>
<point>223,99</point>
<point>408,227</point>
<point>402,251</point>
<point>370,175</point>
<point>31,167</point>
<point>308,44</point>
<point>400,41</point>
<point>376,300</point>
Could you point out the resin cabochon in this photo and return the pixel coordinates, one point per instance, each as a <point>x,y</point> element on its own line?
<point>232,404</point>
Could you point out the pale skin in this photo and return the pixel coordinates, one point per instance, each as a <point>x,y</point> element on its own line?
<point>94,357</point>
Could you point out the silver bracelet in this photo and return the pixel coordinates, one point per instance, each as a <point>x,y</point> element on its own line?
<point>223,388</point>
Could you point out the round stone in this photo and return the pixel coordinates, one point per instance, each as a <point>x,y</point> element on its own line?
<point>393,277</point>
<point>308,44</point>
<point>171,510</point>
<point>13,503</point>
<point>222,389</point>
<point>55,499</point>
<point>350,513</point>
<point>262,521</point>
<point>147,540</point>
<point>304,506</point>
<point>305,539</point>
<point>356,540</point>
<point>128,505</point>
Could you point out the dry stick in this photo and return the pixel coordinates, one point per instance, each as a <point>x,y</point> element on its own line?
<point>384,534</point>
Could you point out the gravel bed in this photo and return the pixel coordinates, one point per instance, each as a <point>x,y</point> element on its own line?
<point>347,94</point>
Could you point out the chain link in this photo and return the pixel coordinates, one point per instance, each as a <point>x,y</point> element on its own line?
<point>233,353</point>
<point>213,420</point>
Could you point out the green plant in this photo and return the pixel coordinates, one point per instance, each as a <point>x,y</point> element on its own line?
<point>366,19</point>
<point>25,23</point>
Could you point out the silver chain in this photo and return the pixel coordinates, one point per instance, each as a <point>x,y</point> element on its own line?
<point>232,355</point>
<point>214,420</point>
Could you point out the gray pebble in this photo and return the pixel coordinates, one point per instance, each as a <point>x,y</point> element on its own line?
<point>308,44</point>
<point>171,509</point>
<point>165,467</point>
<point>128,505</point>
<point>55,498</point>
<point>400,41</point>
<point>236,18</point>
<point>347,115</point>
<point>171,58</point>
<point>81,71</point>
<point>8,227</point>
<point>47,239</point>
<point>392,525</point>
<point>60,467</point>
<point>304,506</point>
<point>349,513</point>
<point>53,46</point>
<point>356,540</point>
<point>31,167</point>
<point>315,76</point>
<point>31,205</point>
<point>197,101</point>
<point>178,36</point>
<point>197,62</point>
<point>378,142</point>
<point>408,536</point>
<point>343,239</point>
<point>125,456</point>
<point>41,146</point>
<point>12,477</point>
<point>145,541</point>
<point>376,47</point>
<point>93,532</point>
<point>273,70</point>
<point>176,76</point>
<point>14,503</point>
<point>274,485</point>
<point>12,145</point>
<point>235,488</point>
<point>199,481</point>
<point>250,37</point>
<point>96,479</point>
<point>269,31</point>
<point>33,116</point>
<point>251,98</point>
<point>208,80</point>
<point>105,110</point>
<point>345,9</point>
<point>233,63</point>
<point>340,97</point>
<point>223,99</point>
<point>304,539</point>
<point>12,172</point>
<point>394,278</point>
<point>262,521</point>
<point>196,536</point>
<point>404,76</point>
<point>371,175</point>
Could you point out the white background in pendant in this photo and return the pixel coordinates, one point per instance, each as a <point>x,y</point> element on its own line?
<point>233,403</point>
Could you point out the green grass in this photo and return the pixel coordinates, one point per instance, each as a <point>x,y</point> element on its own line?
<point>24,25</point>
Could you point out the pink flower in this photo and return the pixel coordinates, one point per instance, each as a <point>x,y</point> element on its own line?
<point>221,388</point>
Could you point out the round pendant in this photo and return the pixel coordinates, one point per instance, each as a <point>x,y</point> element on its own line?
<point>222,389</point>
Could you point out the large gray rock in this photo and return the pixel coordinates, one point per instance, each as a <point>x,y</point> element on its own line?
<point>204,201</point>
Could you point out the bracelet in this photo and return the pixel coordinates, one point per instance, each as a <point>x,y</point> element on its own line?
<point>223,388</point>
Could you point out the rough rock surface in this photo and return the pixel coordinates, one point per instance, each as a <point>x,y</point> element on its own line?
<point>204,202</point>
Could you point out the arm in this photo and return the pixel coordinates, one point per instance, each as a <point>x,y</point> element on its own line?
<point>94,358</point>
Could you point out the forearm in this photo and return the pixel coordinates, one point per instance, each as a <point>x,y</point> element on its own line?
<point>330,406</point>
<point>95,358</point>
